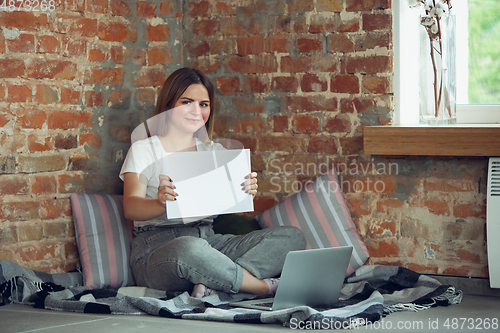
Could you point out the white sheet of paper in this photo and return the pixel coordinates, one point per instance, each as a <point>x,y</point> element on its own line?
<point>208,183</point>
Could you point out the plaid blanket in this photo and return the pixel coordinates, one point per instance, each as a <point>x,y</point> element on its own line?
<point>369,294</point>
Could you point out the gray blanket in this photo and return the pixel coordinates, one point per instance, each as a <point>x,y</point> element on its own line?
<point>369,294</point>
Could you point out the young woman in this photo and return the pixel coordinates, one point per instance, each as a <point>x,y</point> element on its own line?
<point>168,254</point>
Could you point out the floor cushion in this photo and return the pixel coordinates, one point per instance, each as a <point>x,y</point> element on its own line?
<point>320,211</point>
<point>103,237</point>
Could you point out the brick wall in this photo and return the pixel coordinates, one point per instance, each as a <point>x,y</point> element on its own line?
<point>74,83</point>
<point>298,80</point>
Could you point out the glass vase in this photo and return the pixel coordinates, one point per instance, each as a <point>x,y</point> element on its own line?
<point>438,75</point>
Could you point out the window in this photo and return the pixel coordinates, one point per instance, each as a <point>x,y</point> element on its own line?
<point>478,61</point>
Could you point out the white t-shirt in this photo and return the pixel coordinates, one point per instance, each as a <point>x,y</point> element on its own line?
<point>143,158</point>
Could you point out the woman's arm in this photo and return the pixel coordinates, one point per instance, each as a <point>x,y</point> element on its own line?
<point>135,204</point>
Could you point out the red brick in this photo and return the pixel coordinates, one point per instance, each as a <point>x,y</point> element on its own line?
<point>249,125</point>
<point>307,103</point>
<point>438,207</point>
<point>345,84</point>
<point>34,145</point>
<point>360,105</point>
<point>19,94</point>
<point>98,55</point>
<point>322,144</point>
<point>69,120</point>
<point>248,104</point>
<point>300,6</point>
<point>46,94</point>
<point>339,43</point>
<point>139,57</point>
<point>24,43</point>
<point>146,9</point>
<point>98,6</point>
<point>351,146</point>
<point>278,44</point>
<point>229,85</point>
<point>206,28</point>
<point>117,54</point>
<point>383,205</point>
<point>167,8</point>
<point>263,63</point>
<point>198,48</point>
<point>43,184</point>
<point>68,141</point>
<point>149,77</point>
<point>11,68</point>
<point>158,33</point>
<point>110,76</point>
<point>338,124</point>
<point>306,45</point>
<point>32,119</point>
<point>280,143</point>
<point>464,211</point>
<point>353,25</point>
<point>117,32</point>
<point>383,248</point>
<point>231,26</point>
<point>48,44</point>
<point>74,47</point>
<point>370,65</point>
<point>90,139</point>
<point>145,97</point>
<point>52,209</point>
<point>93,99</point>
<point>22,20</point>
<point>322,24</point>
<point>19,211</point>
<point>280,123</point>
<point>330,5</point>
<point>250,45</point>
<point>222,46</point>
<point>313,83</point>
<point>206,65</point>
<point>160,55</point>
<point>378,21</point>
<point>13,185</point>
<point>52,69</point>
<point>458,271</point>
<point>288,84</point>
<point>366,5</point>
<point>371,40</point>
<point>376,84</point>
<point>120,8</point>
<point>256,84</point>
<point>305,124</point>
<point>200,8</point>
<point>71,96</point>
<point>309,63</point>
<point>224,8</point>
<point>300,24</point>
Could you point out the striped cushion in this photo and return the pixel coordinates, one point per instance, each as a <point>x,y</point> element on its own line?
<point>320,211</point>
<point>103,237</point>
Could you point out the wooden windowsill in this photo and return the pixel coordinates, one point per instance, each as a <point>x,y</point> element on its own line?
<point>451,140</point>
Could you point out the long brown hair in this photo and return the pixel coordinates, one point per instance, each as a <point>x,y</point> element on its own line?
<point>177,83</point>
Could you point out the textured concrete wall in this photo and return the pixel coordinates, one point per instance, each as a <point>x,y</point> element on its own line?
<point>297,82</point>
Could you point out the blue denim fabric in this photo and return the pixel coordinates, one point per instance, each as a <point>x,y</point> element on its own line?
<point>177,257</point>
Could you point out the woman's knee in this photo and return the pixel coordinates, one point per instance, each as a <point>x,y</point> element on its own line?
<point>296,237</point>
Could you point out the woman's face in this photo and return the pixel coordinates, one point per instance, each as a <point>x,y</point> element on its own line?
<point>192,110</point>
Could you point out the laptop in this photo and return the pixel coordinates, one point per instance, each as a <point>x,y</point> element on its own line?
<point>311,277</point>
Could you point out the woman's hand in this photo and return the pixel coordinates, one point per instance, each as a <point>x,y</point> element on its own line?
<point>166,190</point>
<point>250,185</point>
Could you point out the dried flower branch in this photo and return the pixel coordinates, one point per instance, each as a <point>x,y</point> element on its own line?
<point>434,10</point>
